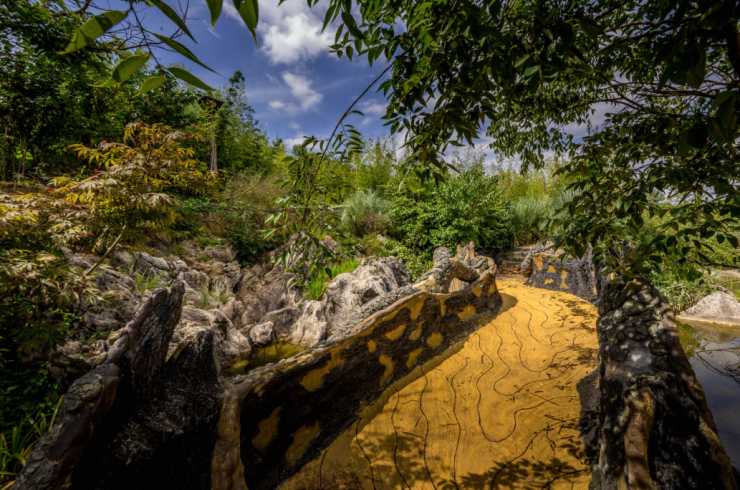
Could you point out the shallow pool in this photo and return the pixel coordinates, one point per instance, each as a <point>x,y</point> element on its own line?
<point>714,353</point>
<point>262,356</point>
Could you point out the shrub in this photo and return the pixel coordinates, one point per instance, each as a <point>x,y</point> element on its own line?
<point>417,263</point>
<point>365,212</point>
<point>318,281</point>
<point>469,207</point>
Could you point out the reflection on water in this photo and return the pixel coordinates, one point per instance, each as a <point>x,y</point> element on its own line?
<point>714,353</point>
<point>262,356</point>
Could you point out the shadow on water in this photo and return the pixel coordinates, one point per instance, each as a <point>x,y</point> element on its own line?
<point>714,353</point>
<point>262,356</point>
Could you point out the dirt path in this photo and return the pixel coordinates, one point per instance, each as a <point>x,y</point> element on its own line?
<point>501,412</point>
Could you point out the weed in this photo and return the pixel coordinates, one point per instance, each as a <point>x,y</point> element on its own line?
<point>205,298</point>
<point>16,447</point>
<point>207,242</point>
<point>177,251</point>
<point>148,282</point>
<point>223,298</point>
<point>732,284</point>
<point>318,282</point>
<point>681,293</point>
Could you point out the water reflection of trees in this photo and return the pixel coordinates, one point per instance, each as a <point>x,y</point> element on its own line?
<point>695,346</point>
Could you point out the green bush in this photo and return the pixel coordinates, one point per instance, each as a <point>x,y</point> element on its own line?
<point>365,212</point>
<point>468,207</point>
<point>416,262</point>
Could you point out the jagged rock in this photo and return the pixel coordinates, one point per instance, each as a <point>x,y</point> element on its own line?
<point>230,344</point>
<point>261,334</point>
<point>193,278</point>
<point>151,266</point>
<point>130,373</point>
<point>655,429</point>
<point>311,326</point>
<point>547,271</point>
<point>224,277</point>
<point>283,320</point>
<point>223,253</point>
<point>68,363</point>
<point>719,307</point>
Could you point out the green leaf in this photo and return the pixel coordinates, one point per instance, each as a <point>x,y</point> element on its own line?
<point>249,11</point>
<point>167,10</point>
<point>93,29</point>
<point>188,77</point>
<point>721,97</point>
<point>697,136</point>
<point>726,109</point>
<point>214,6</point>
<point>590,27</point>
<point>124,70</point>
<point>531,71</point>
<point>697,73</point>
<point>732,239</point>
<point>180,49</point>
<point>150,84</point>
<point>349,21</point>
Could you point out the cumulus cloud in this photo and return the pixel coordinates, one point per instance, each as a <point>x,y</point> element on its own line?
<point>230,11</point>
<point>295,38</point>
<point>300,87</point>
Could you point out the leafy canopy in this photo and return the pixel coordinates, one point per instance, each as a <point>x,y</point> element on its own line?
<point>520,72</point>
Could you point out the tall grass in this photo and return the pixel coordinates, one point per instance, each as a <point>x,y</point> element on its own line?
<point>365,212</point>
<point>526,213</point>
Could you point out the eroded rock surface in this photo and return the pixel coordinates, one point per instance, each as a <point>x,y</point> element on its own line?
<point>547,271</point>
<point>655,430</point>
<point>719,307</point>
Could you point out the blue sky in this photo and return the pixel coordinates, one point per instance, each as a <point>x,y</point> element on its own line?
<point>295,85</point>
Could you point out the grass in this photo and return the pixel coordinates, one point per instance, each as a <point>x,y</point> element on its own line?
<point>177,251</point>
<point>204,242</point>
<point>683,294</point>
<point>365,212</point>
<point>318,282</point>
<point>148,282</point>
<point>205,298</point>
<point>732,284</point>
<point>16,447</point>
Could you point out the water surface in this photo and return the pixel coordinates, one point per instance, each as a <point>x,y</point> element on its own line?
<point>262,356</point>
<point>714,353</point>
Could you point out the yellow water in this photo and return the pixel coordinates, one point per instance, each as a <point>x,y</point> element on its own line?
<point>501,412</point>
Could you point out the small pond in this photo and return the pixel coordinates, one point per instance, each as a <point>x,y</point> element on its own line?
<point>714,353</point>
<point>262,356</point>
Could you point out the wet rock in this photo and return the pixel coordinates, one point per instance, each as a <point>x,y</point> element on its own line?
<point>719,307</point>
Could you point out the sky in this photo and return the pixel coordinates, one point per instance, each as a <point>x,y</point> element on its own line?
<point>294,84</point>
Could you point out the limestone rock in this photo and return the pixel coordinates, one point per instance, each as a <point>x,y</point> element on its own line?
<point>230,344</point>
<point>719,307</point>
<point>311,326</point>
<point>261,334</point>
<point>547,271</point>
<point>149,265</point>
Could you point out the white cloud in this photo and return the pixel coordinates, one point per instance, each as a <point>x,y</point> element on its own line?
<point>294,141</point>
<point>230,11</point>
<point>294,125</point>
<point>295,38</point>
<point>373,107</point>
<point>300,87</point>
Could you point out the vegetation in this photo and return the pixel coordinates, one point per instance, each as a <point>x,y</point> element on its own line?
<point>318,282</point>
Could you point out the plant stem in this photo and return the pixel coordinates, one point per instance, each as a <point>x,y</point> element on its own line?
<point>105,255</point>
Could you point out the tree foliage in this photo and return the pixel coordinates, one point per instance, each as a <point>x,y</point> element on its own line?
<point>666,72</point>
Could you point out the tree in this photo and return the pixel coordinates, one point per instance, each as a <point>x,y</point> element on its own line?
<point>667,72</point>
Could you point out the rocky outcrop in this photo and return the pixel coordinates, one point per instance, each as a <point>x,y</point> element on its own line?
<point>549,271</point>
<point>654,429</point>
<point>719,307</point>
<point>277,418</point>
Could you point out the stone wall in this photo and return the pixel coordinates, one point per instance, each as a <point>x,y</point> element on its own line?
<point>279,417</point>
<point>547,271</point>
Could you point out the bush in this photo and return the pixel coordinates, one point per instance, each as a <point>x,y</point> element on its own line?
<point>469,207</point>
<point>365,212</point>
<point>417,263</point>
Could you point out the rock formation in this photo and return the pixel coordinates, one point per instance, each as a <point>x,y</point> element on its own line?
<point>153,412</point>
<point>719,307</point>
<point>653,429</point>
<point>548,271</point>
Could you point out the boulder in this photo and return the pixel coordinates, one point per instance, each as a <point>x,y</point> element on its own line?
<point>149,265</point>
<point>261,334</point>
<point>719,307</point>
<point>230,344</point>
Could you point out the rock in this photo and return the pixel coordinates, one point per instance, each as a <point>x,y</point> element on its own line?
<point>547,271</point>
<point>261,334</point>
<point>726,274</point>
<point>68,363</point>
<point>283,320</point>
<point>127,376</point>
<point>193,278</point>
<point>149,266</point>
<point>223,253</point>
<point>311,326</point>
<point>719,307</point>
<point>122,260</point>
<point>230,344</point>
<point>654,427</point>
<point>112,280</point>
<point>224,278</point>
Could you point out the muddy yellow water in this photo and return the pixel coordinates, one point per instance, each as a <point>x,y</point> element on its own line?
<point>500,412</point>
